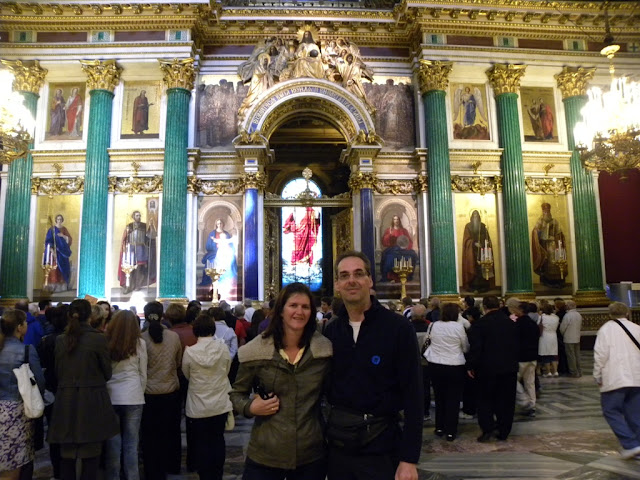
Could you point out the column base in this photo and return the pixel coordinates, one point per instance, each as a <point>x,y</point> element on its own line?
<point>446,297</point>
<point>591,298</point>
<point>10,302</point>
<point>184,301</point>
<point>528,296</point>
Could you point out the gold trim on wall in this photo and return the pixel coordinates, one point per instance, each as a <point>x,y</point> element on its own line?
<point>57,186</point>
<point>548,186</point>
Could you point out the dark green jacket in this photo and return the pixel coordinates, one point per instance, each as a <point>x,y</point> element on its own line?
<point>294,435</point>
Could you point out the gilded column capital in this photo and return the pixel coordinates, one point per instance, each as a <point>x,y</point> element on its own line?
<point>421,184</point>
<point>434,75</point>
<point>27,78</point>
<point>102,74</point>
<point>360,180</point>
<point>257,180</point>
<point>572,81</point>
<point>178,73</point>
<point>505,78</point>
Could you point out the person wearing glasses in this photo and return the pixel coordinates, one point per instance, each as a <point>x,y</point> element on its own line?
<point>286,367</point>
<point>376,373</point>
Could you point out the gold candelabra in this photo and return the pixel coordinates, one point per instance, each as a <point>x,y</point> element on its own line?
<point>485,260</point>
<point>214,274</point>
<point>403,267</point>
<point>47,268</point>
<point>560,258</point>
<point>562,265</point>
<point>127,268</point>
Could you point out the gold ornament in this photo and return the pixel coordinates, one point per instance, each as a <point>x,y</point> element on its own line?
<point>434,75</point>
<point>360,180</point>
<point>57,186</point>
<point>135,184</point>
<point>480,184</point>
<point>26,78</point>
<point>395,187</point>
<point>505,78</point>
<point>572,81</point>
<point>421,184</point>
<point>178,73</point>
<point>548,186</point>
<point>257,180</point>
<point>102,75</point>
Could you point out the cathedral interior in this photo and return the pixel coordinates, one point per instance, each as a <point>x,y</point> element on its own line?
<point>250,142</point>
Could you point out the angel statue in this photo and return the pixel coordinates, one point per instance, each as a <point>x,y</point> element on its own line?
<point>470,120</point>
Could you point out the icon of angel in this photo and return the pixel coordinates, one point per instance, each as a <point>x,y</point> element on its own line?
<point>469,107</point>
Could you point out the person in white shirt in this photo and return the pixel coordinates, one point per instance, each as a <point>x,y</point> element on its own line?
<point>570,329</point>
<point>248,309</point>
<point>223,331</point>
<point>615,369</point>
<point>126,389</point>
<point>447,368</point>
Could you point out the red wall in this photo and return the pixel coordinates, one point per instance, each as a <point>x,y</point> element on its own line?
<point>620,208</point>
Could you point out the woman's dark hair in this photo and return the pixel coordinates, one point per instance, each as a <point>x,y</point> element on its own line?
<point>275,328</point>
<point>192,313</point>
<point>122,334</point>
<point>175,313</point>
<point>217,313</point>
<point>58,317</point>
<point>79,312</point>
<point>204,326</point>
<point>153,315</point>
<point>473,314</point>
<point>109,312</point>
<point>532,307</point>
<point>547,309</point>
<point>469,301</point>
<point>10,321</point>
<point>257,318</point>
<point>450,312</point>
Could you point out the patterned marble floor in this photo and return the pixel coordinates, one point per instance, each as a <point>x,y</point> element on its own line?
<point>568,439</point>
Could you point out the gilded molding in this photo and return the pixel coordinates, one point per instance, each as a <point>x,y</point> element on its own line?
<point>434,75</point>
<point>548,186</point>
<point>102,75</point>
<point>136,184</point>
<point>505,78</point>
<point>421,184</point>
<point>57,186</point>
<point>257,180</point>
<point>395,187</point>
<point>598,298</point>
<point>572,81</point>
<point>215,187</point>
<point>253,138</point>
<point>360,180</point>
<point>479,184</point>
<point>178,73</point>
<point>26,78</point>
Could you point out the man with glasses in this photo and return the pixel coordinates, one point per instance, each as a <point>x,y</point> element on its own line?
<point>376,373</point>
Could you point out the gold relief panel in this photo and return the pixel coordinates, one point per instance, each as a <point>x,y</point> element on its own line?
<point>421,184</point>
<point>395,187</point>
<point>572,81</point>
<point>57,186</point>
<point>256,180</point>
<point>360,180</point>
<point>434,75</point>
<point>178,73</point>
<point>27,78</point>
<point>216,187</point>
<point>133,185</point>
<point>548,186</point>
<point>505,78</point>
<point>102,75</point>
<point>479,184</point>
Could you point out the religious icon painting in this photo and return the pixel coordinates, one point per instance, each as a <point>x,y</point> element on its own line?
<point>539,120</point>
<point>56,253</point>
<point>219,248</point>
<point>469,111</point>
<point>141,110</point>
<point>134,247</point>
<point>65,111</point>
<point>478,249</point>
<point>550,244</point>
<point>217,103</point>
<point>396,247</point>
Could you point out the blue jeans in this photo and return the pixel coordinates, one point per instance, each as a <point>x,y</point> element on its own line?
<point>621,409</point>
<point>125,443</point>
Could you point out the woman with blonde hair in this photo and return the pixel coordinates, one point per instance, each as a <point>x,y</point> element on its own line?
<point>16,430</point>
<point>128,354</point>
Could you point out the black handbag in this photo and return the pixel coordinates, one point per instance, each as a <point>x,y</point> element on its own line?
<point>351,430</point>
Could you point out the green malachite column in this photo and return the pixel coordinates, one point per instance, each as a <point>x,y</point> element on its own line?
<point>572,82</point>
<point>15,241</point>
<point>103,77</point>
<point>505,80</point>
<point>179,76</point>
<point>433,84</point>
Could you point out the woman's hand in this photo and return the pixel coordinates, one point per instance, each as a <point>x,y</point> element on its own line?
<point>264,407</point>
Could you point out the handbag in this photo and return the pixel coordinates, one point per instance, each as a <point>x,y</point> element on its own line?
<point>351,430</point>
<point>628,333</point>
<point>427,341</point>
<point>28,388</point>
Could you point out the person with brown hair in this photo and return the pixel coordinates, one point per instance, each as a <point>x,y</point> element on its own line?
<point>16,430</point>
<point>126,387</point>
<point>82,416</point>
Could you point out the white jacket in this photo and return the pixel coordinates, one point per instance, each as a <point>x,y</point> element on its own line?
<point>206,365</point>
<point>571,325</point>
<point>616,358</point>
<point>129,378</point>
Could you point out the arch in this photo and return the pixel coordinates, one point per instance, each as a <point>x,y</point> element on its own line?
<point>322,98</point>
<point>224,209</point>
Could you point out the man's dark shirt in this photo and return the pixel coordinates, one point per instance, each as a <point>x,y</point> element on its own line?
<point>528,337</point>
<point>494,345</point>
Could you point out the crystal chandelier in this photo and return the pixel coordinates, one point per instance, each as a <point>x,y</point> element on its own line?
<point>608,138</point>
<point>16,122</point>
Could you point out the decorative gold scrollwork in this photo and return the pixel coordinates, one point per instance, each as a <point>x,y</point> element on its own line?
<point>132,185</point>
<point>257,180</point>
<point>395,187</point>
<point>480,184</point>
<point>572,81</point>
<point>421,184</point>
<point>216,187</point>
<point>549,186</point>
<point>178,73</point>
<point>102,75</point>
<point>360,180</point>
<point>371,138</point>
<point>434,75</point>
<point>246,138</point>
<point>505,78</point>
<point>57,186</point>
<point>26,78</point>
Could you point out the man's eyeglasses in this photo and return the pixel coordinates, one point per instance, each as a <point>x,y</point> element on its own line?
<point>357,275</point>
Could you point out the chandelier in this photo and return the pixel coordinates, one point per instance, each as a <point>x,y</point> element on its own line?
<point>16,122</point>
<point>608,138</point>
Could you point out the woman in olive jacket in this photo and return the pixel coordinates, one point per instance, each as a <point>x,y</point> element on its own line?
<point>286,365</point>
<point>82,414</point>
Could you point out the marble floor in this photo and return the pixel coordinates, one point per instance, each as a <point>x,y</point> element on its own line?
<point>568,439</point>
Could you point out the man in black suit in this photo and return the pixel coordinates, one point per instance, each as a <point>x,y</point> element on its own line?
<point>493,362</point>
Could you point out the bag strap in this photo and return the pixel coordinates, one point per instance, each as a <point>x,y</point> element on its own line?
<point>429,329</point>
<point>26,354</point>
<point>627,332</point>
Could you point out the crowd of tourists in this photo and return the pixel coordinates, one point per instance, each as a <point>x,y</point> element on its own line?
<point>339,392</point>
